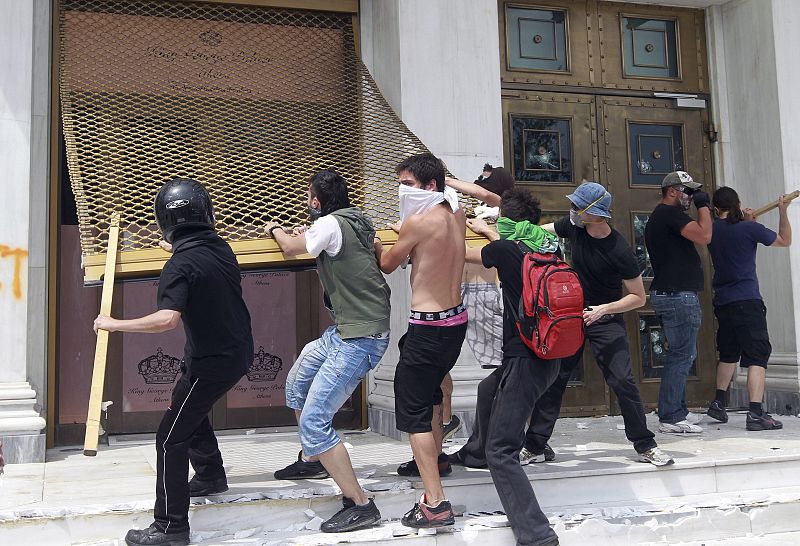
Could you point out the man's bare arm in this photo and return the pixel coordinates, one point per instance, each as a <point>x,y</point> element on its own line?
<point>291,246</point>
<point>474,190</point>
<point>411,232</point>
<point>154,323</point>
<point>480,227</point>
<point>699,231</point>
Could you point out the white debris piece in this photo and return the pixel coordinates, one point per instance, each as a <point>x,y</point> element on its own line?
<point>620,427</point>
<point>250,432</point>
<point>246,533</point>
<point>314,524</point>
<point>581,447</point>
<point>582,425</point>
<point>310,514</point>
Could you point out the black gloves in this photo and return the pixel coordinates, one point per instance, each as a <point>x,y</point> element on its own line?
<point>701,199</point>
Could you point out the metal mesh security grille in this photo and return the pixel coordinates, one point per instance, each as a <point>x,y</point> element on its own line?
<point>250,101</point>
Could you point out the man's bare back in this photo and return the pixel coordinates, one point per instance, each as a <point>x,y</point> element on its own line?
<point>437,259</point>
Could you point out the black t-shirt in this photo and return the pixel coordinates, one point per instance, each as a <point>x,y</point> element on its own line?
<point>506,256</point>
<point>601,264</point>
<point>202,280</point>
<point>676,263</point>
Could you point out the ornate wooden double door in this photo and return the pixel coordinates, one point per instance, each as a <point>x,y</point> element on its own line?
<point>618,94</point>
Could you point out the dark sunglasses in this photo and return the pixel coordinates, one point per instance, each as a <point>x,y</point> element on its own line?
<point>686,191</point>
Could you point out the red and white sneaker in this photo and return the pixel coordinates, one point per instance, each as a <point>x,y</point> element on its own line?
<point>423,516</point>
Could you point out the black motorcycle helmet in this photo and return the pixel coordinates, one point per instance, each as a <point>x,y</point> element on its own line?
<point>182,202</point>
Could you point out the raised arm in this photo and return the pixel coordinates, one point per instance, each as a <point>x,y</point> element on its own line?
<point>784,237</point>
<point>699,231</point>
<point>474,190</point>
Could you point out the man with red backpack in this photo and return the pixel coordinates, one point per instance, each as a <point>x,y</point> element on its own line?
<point>523,377</point>
<point>605,263</point>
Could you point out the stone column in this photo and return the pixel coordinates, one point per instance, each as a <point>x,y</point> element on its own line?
<point>753,49</point>
<point>438,67</point>
<point>20,422</point>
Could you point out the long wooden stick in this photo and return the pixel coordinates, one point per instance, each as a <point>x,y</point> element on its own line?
<point>774,204</point>
<point>101,349</point>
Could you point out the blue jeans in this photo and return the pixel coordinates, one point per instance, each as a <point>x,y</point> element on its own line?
<point>679,313</point>
<point>324,376</point>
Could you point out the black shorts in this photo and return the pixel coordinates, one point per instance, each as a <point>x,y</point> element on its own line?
<point>742,335</point>
<point>427,354</point>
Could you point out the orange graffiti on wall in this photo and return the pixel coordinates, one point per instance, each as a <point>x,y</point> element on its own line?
<point>18,254</point>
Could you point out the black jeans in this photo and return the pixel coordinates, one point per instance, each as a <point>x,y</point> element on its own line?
<point>609,343</point>
<point>185,435</point>
<point>522,382</point>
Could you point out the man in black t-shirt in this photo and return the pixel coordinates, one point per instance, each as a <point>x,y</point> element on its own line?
<point>521,379</point>
<point>201,285</point>
<point>670,236</point>
<point>605,263</point>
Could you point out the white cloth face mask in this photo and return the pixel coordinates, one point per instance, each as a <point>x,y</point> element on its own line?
<point>417,201</point>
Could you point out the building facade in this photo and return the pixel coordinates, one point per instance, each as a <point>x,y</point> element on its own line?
<point>556,91</point>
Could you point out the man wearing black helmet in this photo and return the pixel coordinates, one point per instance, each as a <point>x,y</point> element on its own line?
<point>201,285</point>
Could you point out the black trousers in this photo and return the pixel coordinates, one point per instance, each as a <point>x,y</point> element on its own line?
<point>185,435</point>
<point>609,343</point>
<point>522,382</point>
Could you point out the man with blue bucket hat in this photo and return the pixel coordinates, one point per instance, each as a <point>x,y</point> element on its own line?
<point>605,263</point>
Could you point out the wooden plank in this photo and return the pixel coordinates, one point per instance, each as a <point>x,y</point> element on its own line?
<point>261,253</point>
<point>766,208</point>
<point>101,349</point>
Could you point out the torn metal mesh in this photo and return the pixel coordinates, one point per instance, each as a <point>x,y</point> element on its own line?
<point>250,101</point>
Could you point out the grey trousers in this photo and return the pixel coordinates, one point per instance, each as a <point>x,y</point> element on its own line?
<point>523,381</point>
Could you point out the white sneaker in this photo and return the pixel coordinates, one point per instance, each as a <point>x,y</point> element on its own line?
<point>681,427</point>
<point>656,457</point>
<point>694,418</point>
<point>528,457</point>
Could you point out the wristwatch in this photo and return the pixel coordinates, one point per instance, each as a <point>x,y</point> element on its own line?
<point>272,229</point>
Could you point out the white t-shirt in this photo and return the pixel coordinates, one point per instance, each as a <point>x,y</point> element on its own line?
<point>324,234</point>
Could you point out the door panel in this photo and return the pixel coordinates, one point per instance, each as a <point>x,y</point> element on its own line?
<point>642,140</point>
<point>550,143</point>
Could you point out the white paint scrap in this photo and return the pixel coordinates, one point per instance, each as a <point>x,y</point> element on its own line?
<point>314,524</point>
<point>582,425</point>
<point>310,514</point>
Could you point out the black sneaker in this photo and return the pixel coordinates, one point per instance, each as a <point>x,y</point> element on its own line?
<point>302,470</point>
<point>423,516</point>
<point>717,411</point>
<point>410,468</point>
<point>351,517</point>
<point>451,428</point>
<point>154,536</point>
<point>765,421</point>
<point>549,454</point>
<point>201,488</point>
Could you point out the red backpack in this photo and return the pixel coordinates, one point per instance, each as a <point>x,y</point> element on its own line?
<point>550,313</point>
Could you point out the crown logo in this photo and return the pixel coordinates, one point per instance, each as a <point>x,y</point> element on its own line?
<point>211,38</point>
<point>265,367</point>
<point>159,369</point>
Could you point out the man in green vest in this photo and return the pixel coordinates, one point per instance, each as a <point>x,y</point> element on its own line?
<point>328,370</point>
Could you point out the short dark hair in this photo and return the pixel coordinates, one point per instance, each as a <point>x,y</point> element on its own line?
<point>727,200</point>
<point>331,189</point>
<point>487,167</point>
<point>519,205</point>
<point>425,167</point>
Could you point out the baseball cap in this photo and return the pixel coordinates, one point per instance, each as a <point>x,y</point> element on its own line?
<point>678,178</point>
<point>594,196</point>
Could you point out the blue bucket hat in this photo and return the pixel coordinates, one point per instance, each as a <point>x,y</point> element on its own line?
<point>592,197</point>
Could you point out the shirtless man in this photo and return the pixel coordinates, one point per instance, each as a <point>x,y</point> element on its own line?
<point>431,235</point>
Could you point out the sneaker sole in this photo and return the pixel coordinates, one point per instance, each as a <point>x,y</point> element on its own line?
<point>433,525</point>
<point>207,492</point>
<point>654,463</point>
<point>760,428</point>
<point>367,522</point>
<point>666,431</point>
<point>534,460</point>
<point>452,433</point>
<point>319,476</point>
<point>177,542</point>
<point>718,418</point>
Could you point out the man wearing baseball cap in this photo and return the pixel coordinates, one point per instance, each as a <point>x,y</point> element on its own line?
<point>670,237</point>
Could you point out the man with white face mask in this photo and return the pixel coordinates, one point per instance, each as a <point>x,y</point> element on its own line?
<point>670,237</point>
<point>605,263</point>
<point>431,235</point>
